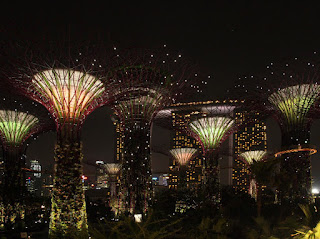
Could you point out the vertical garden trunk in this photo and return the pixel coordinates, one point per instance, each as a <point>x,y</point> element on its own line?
<point>212,179</point>
<point>136,168</point>
<point>259,199</point>
<point>13,188</point>
<point>296,168</point>
<point>68,208</point>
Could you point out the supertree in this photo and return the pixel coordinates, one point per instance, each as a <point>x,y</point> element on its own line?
<point>148,81</point>
<point>210,129</point>
<point>183,156</point>
<point>251,157</point>
<point>66,80</point>
<point>288,91</point>
<point>20,119</point>
<point>113,170</point>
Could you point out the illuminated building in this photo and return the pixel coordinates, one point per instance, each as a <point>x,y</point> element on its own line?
<point>247,138</point>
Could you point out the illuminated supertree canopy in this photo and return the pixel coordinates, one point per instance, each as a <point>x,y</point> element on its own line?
<point>113,168</point>
<point>67,81</point>
<point>211,130</point>
<point>294,103</point>
<point>183,155</point>
<point>253,156</point>
<point>16,126</point>
<point>148,80</point>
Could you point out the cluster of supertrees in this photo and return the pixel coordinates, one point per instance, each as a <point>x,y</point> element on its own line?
<point>290,93</point>
<point>71,82</point>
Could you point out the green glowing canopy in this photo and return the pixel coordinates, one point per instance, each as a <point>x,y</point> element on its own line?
<point>253,155</point>
<point>16,126</point>
<point>294,102</point>
<point>211,130</point>
<point>183,155</point>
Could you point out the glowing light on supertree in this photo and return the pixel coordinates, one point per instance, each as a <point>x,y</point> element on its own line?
<point>113,170</point>
<point>183,155</point>
<point>67,82</point>
<point>148,81</point>
<point>250,157</point>
<point>211,129</point>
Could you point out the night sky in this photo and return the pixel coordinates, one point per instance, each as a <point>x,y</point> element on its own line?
<point>225,40</point>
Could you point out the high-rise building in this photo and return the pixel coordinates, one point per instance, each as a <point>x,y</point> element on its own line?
<point>34,181</point>
<point>182,140</point>
<point>181,114</point>
<point>101,175</point>
<point>252,137</point>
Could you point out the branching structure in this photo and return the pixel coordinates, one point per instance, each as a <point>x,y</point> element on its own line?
<point>69,86</point>
<point>148,81</point>
<point>211,130</point>
<point>250,157</point>
<point>113,170</point>
<point>183,156</point>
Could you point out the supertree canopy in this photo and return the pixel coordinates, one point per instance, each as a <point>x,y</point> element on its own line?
<point>183,155</point>
<point>294,103</point>
<point>66,81</point>
<point>250,157</point>
<point>210,129</point>
<point>148,81</point>
<point>253,156</point>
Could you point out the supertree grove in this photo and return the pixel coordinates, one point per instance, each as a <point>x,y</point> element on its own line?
<point>148,81</point>
<point>69,86</point>
<point>183,156</point>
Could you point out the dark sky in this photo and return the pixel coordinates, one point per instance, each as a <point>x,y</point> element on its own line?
<point>225,39</point>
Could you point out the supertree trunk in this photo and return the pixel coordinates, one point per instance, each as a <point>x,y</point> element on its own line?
<point>296,167</point>
<point>136,167</point>
<point>253,188</point>
<point>68,208</point>
<point>13,187</point>
<point>212,178</point>
<point>183,177</point>
<point>296,178</point>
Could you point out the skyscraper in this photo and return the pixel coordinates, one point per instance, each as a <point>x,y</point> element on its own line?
<point>252,137</point>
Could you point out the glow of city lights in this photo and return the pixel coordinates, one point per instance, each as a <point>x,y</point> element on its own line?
<point>315,191</point>
<point>253,156</point>
<point>294,102</point>
<point>211,130</point>
<point>113,168</point>
<point>70,92</point>
<point>183,155</point>
<point>16,126</point>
